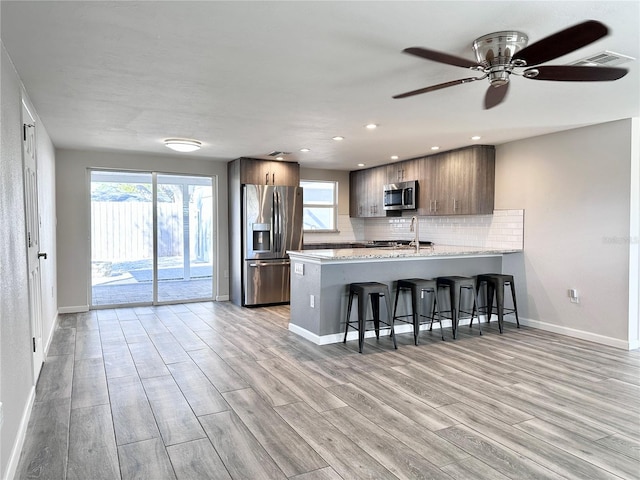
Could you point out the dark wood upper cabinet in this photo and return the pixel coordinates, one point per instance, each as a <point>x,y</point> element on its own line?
<point>253,171</point>
<point>457,182</point>
<point>365,192</point>
<point>404,171</point>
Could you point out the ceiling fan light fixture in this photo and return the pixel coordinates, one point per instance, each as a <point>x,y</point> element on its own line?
<point>497,48</point>
<point>182,145</point>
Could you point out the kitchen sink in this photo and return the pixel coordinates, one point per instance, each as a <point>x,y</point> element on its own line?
<point>400,245</point>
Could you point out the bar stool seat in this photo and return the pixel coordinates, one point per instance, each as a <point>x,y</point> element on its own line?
<point>418,287</point>
<point>495,284</point>
<point>372,291</point>
<point>455,284</point>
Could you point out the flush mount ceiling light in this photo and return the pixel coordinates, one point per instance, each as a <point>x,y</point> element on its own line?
<point>371,126</point>
<point>338,138</point>
<point>183,145</point>
<point>476,137</point>
<point>305,149</point>
<point>394,157</point>
<point>435,147</point>
<point>361,164</point>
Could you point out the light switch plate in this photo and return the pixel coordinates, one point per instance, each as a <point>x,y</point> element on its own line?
<point>298,268</point>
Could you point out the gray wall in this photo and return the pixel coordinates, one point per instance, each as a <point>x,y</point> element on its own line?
<point>16,377</point>
<point>575,189</point>
<point>72,185</point>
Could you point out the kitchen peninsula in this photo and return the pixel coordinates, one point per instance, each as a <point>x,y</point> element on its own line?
<point>320,279</point>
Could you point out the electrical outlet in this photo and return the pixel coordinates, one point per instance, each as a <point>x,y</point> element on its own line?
<point>312,301</point>
<point>572,293</point>
<point>298,268</point>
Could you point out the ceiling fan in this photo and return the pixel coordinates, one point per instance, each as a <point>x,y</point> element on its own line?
<point>501,54</point>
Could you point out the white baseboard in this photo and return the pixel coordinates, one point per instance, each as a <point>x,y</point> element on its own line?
<point>47,344</point>
<point>77,309</point>
<point>14,458</point>
<point>404,328</point>
<point>581,334</point>
<point>353,335</point>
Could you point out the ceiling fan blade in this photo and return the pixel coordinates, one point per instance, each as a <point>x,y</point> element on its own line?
<point>575,73</point>
<point>441,57</point>
<point>436,87</point>
<point>495,95</point>
<point>562,42</point>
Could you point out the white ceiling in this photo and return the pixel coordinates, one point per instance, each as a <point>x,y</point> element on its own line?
<point>247,78</point>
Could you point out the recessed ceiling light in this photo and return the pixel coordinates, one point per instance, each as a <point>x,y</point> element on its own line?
<point>338,138</point>
<point>279,158</point>
<point>183,145</point>
<point>476,137</point>
<point>305,149</point>
<point>435,147</point>
<point>394,157</point>
<point>371,126</point>
<point>361,164</point>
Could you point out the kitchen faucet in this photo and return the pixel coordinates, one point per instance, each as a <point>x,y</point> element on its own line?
<point>415,228</point>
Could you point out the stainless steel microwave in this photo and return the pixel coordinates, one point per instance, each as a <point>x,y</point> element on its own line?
<point>400,196</point>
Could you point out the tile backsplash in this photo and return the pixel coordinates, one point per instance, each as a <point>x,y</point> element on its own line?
<point>504,229</point>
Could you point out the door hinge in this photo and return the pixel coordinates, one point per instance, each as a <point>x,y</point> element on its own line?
<point>24,130</point>
<point>34,344</point>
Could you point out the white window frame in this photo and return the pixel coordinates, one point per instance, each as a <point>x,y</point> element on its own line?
<point>333,206</point>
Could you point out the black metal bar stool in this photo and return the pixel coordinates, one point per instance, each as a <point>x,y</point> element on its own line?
<point>418,287</point>
<point>372,291</point>
<point>456,284</point>
<point>495,284</point>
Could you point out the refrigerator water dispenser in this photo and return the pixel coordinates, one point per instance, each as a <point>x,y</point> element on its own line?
<point>261,237</point>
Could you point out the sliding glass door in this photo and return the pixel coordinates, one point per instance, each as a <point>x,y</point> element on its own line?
<point>185,221</point>
<point>151,238</point>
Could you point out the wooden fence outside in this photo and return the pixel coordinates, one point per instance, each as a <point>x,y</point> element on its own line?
<point>123,231</point>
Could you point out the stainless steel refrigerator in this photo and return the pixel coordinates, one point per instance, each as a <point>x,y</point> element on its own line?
<point>271,225</point>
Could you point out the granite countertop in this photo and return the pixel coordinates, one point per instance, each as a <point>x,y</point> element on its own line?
<point>391,253</point>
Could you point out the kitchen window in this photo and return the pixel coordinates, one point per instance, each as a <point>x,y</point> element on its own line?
<point>320,205</point>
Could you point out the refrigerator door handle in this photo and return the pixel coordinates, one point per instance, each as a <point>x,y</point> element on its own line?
<point>270,264</point>
<point>280,223</point>
<point>277,222</point>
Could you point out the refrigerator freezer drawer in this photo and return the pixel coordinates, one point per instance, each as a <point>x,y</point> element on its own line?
<point>266,282</point>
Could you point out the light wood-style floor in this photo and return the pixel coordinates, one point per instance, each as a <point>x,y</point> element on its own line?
<point>213,391</point>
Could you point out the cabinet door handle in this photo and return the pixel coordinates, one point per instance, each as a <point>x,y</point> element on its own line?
<point>455,205</point>
<point>273,179</point>
<point>266,178</point>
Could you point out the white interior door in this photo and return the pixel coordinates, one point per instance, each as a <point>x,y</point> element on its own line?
<point>32,218</point>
